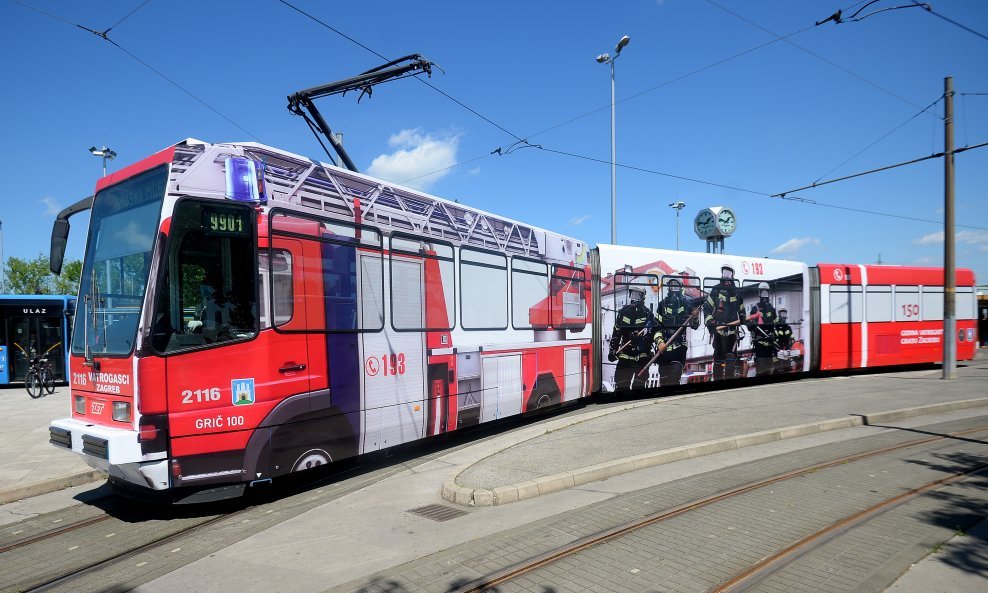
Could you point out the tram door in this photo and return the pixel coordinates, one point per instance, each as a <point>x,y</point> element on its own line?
<point>393,377</point>
<point>29,336</point>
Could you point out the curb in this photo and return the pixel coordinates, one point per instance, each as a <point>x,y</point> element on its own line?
<point>461,495</point>
<point>50,485</point>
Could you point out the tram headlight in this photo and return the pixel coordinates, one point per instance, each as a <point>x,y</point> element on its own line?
<point>80,405</point>
<point>121,411</point>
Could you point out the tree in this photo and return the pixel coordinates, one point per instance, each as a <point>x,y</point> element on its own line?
<point>68,281</point>
<point>34,276</point>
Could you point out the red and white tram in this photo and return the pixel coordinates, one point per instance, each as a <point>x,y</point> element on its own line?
<point>873,316</point>
<point>246,313</point>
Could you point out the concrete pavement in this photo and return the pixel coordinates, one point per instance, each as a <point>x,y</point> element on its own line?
<point>372,530</point>
<point>29,465</point>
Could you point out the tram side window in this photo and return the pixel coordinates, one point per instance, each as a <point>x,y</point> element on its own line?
<point>965,303</point>
<point>275,284</point>
<point>907,303</point>
<point>529,288</point>
<point>208,296</point>
<point>878,303</point>
<point>484,289</point>
<point>422,285</point>
<point>349,261</point>
<point>845,304</point>
<point>933,303</point>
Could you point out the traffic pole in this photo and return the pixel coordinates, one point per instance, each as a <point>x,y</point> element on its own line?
<point>949,282</point>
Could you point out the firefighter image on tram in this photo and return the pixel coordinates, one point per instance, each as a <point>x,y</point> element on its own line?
<point>676,313</point>
<point>761,322</point>
<point>782,334</point>
<point>724,314</point>
<point>632,340</point>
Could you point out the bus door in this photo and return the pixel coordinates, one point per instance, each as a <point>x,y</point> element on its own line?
<point>393,377</point>
<point>33,335</point>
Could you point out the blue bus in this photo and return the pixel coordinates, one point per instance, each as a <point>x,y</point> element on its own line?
<point>34,325</point>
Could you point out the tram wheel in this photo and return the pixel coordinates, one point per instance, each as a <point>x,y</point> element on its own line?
<point>311,459</point>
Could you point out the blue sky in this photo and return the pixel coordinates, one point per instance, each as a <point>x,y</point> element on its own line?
<point>776,118</point>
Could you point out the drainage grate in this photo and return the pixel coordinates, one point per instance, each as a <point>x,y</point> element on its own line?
<point>437,512</point>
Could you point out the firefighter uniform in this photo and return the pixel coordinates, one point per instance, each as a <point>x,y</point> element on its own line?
<point>783,337</point>
<point>673,312</point>
<point>631,343</point>
<point>724,312</point>
<point>762,320</point>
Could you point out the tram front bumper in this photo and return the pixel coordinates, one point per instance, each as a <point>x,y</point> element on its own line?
<point>112,450</point>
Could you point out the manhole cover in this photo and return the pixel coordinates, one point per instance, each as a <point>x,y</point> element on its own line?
<point>437,512</point>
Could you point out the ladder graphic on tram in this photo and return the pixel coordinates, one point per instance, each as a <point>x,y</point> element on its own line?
<point>331,191</point>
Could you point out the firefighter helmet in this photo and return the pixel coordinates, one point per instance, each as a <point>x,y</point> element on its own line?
<point>783,313</point>
<point>763,290</point>
<point>727,271</point>
<point>675,285</point>
<point>636,293</point>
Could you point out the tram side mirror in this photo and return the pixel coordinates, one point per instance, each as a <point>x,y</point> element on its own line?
<point>59,238</point>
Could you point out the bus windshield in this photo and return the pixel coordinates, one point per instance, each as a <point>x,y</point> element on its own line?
<point>122,229</point>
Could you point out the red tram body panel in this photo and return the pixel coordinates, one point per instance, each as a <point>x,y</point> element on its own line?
<point>872,316</point>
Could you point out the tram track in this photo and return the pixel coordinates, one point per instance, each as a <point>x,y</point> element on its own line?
<point>51,533</point>
<point>297,499</point>
<point>768,565</point>
<point>759,571</point>
<point>120,557</point>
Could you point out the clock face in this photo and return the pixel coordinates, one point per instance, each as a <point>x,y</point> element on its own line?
<point>705,224</point>
<point>726,222</point>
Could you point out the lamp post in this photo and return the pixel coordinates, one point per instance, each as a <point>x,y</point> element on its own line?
<point>106,153</point>
<point>608,59</point>
<point>677,206</point>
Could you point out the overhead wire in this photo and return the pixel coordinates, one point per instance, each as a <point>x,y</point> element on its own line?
<point>884,136</point>
<point>784,195</point>
<point>669,82</point>
<point>425,82</point>
<point>817,56</point>
<point>128,15</point>
<point>930,10</point>
<point>524,142</point>
<point>104,35</point>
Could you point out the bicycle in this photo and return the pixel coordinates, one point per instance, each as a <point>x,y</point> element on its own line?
<point>40,378</point>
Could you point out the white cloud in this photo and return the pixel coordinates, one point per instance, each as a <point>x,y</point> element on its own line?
<point>51,206</point>
<point>578,220</point>
<point>968,237</point>
<point>794,245</point>
<point>930,239</point>
<point>416,154</point>
<point>474,171</point>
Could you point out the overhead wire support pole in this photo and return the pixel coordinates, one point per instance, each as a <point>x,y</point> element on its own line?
<point>949,281</point>
<point>301,103</point>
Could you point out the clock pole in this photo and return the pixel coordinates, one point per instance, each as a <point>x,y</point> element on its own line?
<point>949,282</point>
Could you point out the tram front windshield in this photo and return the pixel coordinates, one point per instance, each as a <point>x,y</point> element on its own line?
<point>122,228</point>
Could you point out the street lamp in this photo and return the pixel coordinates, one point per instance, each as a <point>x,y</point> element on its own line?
<point>608,59</point>
<point>677,206</point>
<point>106,153</point>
